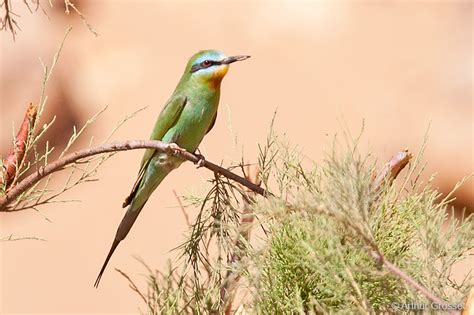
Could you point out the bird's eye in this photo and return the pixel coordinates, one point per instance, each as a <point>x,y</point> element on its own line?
<point>206,63</point>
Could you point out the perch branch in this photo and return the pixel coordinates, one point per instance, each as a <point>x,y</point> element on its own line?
<point>60,164</point>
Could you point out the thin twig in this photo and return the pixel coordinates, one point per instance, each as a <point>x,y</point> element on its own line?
<point>183,210</point>
<point>132,284</point>
<point>11,238</point>
<point>8,23</point>
<point>67,4</point>
<point>60,164</point>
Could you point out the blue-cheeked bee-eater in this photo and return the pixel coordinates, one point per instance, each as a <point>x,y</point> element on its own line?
<point>188,115</point>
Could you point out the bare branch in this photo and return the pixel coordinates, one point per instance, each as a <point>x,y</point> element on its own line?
<point>61,163</point>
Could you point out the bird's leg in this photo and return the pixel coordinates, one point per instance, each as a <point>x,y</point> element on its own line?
<point>202,159</point>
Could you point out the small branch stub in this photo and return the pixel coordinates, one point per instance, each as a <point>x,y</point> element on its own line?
<point>16,155</point>
<point>392,168</point>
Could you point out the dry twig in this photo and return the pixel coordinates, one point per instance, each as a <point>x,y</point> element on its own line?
<point>132,285</point>
<point>7,22</point>
<point>183,209</point>
<point>68,4</point>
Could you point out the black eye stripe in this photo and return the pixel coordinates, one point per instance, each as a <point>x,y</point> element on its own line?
<point>204,65</point>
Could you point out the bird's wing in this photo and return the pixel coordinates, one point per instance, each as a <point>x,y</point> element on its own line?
<point>167,119</point>
<point>212,124</point>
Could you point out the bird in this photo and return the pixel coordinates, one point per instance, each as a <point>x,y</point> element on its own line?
<point>188,115</point>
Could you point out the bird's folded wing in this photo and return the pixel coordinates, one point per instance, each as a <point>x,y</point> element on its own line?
<point>212,123</point>
<point>166,120</point>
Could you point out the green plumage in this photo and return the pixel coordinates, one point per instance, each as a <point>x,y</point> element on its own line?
<point>185,119</point>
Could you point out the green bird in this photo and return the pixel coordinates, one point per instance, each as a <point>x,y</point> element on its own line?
<point>187,117</point>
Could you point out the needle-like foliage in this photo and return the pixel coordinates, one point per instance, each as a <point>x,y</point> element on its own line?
<point>330,241</point>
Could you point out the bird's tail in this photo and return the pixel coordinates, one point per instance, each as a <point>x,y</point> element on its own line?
<point>122,231</point>
<point>147,185</point>
<point>112,250</point>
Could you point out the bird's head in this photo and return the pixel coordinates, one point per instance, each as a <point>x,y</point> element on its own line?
<point>210,66</point>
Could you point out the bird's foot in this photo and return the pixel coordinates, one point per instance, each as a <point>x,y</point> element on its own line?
<point>176,149</point>
<point>201,161</point>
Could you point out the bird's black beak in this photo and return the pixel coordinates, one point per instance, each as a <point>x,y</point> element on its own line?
<point>232,59</point>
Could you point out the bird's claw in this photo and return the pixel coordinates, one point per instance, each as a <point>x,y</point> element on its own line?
<point>201,161</point>
<point>176,149</point>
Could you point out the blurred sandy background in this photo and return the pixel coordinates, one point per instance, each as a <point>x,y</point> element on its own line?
<point>398,65</point>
